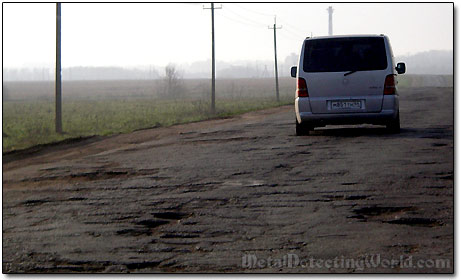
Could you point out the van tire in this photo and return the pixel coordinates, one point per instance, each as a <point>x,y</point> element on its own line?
<point>394,125</point>
<point>303,129</point>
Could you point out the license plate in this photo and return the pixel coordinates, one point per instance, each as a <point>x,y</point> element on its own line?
<point>353,104</point>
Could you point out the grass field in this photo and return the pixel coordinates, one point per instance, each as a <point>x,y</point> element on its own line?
<point>106,108</point>
<point>28,123</point>
<point>111,107</point>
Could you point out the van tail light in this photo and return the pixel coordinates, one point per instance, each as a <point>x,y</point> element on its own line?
<point>389,85</point>
<point>301,89</point>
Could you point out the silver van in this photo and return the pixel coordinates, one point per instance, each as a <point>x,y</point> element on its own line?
<point>346,80</point>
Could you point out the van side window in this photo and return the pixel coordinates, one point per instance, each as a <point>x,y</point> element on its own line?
<point>344,54</point>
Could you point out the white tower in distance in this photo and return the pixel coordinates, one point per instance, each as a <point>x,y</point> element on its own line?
<point>330,20</point>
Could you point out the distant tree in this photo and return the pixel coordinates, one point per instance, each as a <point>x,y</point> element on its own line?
<point>292,60</point>
<point>172,82</point>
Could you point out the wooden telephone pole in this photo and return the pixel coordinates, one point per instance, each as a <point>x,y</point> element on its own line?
<point>58,86</point>
<point>275,55</point>
<point>213,67</point>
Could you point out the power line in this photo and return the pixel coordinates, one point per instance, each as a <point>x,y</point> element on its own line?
<point>291,37</point>
<point>239,21</point>
<point>296,29</point>
<point>245,18</point>
<point>291,34</point>
<point>294,34</point>
<point>253,11</point>
<point>292,26</point>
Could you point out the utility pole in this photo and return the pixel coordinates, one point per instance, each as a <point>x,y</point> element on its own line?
<point>58,87</point>
<point>213,68</point>
<point>275,55</point>
<point>330,21</point>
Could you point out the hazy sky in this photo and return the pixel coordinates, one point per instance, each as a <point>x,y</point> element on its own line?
<point>157,34</point>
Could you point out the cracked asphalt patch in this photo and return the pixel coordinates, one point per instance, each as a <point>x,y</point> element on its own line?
<point>198,197</point>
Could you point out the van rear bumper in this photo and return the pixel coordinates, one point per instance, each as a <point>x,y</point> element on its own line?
<point>389,111</point>
<point>353,118</point>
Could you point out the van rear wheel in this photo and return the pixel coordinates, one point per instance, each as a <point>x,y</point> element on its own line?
<point>394,125</point>
<point>303,129</point>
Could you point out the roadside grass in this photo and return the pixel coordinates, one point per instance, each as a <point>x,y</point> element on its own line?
<point>28,123</point>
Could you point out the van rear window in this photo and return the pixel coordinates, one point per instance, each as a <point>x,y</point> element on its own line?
<point>344,54</point>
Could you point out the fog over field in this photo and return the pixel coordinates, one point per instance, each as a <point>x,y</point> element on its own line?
<point>434,62</point>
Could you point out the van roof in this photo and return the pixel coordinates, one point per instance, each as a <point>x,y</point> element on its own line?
<point>344,36</point>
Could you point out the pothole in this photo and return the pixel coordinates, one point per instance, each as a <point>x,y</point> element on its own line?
<point>345,197</point>
<point>152,223</point>
<point>170,215</point>
<point>146,229</point>
<point>134,231</point>
<point>365,213</point>
<point>179,235</point>
<point>438,144</point>
<point>424,222</point>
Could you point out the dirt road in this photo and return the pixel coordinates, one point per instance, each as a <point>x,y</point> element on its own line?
<point>218,195</point>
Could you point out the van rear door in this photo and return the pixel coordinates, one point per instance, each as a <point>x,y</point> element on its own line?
<point>345,74</point>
